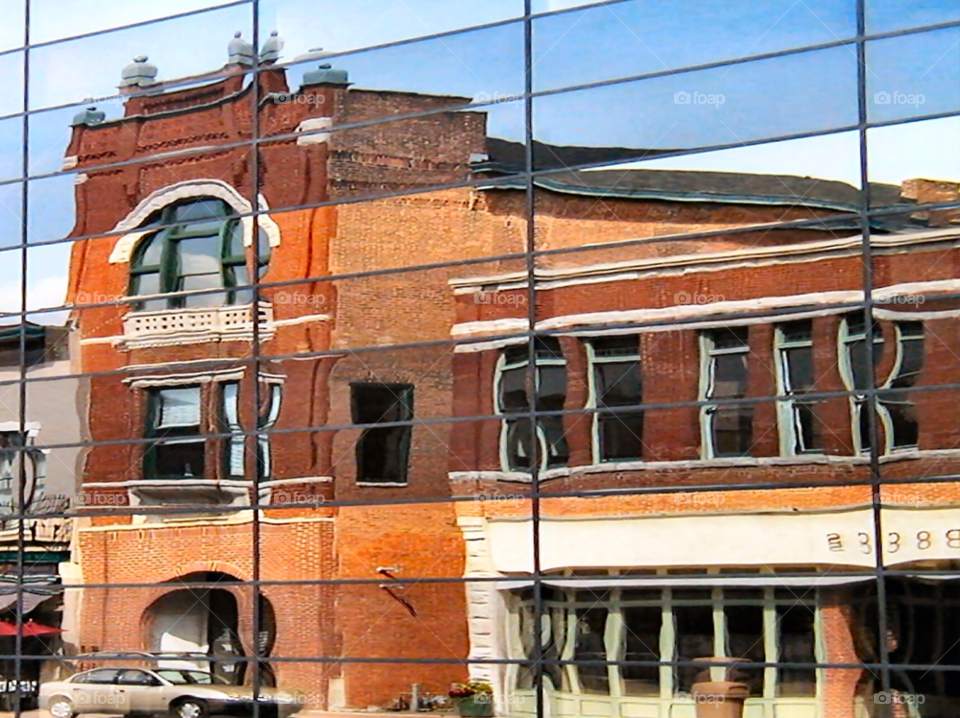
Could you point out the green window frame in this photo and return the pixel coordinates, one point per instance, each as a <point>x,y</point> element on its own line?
<point>175,424</point>
<point>169,275</point>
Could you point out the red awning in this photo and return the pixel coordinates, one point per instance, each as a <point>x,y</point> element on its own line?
<point>30,629</point>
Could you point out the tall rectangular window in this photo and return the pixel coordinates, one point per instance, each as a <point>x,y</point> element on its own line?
<point>855,370</point>
<point>727,430</point>
<point>518,450</point>
<point>797,417</point>
<point>382,451</point>
<point>234,448</point>
<point>896,411</point>
<point>615,382</point>
<point>897,420</point>
<point>174,422</point>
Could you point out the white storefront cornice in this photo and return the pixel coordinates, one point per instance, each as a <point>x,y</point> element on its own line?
<point>714,313</point>
<point>555,278</point>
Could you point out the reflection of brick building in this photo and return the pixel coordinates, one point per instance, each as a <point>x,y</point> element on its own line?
<point>671,320</point>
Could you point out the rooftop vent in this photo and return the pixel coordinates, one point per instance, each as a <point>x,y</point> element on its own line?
<point>240,51</point>
<point>138,73</point>
<point>90,116</point>
<point>271,49</point>
<point>325,75</point>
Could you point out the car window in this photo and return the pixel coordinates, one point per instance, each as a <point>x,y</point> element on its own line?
<point>205,678</point>
<point>137,678</point>
<point>99,675</point>
<point>177,677</point>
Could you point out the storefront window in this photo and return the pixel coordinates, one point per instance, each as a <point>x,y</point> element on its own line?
<point>597,634</point>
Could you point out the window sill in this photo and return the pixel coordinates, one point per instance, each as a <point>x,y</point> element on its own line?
<point>197,325</point>
<point>631,466</point>
<point>609,467</point>
<point>197,492</point>
<point>383,484</point>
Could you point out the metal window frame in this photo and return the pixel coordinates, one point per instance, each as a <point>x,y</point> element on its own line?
<point>596,441</point>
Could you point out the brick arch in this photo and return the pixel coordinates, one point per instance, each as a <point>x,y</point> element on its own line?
<point>205,566</point>
<point>122,250</point>
<point>242,597</point>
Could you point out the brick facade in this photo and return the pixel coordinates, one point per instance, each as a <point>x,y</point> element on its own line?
<point>394,327</point>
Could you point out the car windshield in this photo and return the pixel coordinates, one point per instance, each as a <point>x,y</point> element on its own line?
<point>182,677</point>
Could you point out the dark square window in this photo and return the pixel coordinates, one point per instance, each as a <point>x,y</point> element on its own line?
<point>382,452</point>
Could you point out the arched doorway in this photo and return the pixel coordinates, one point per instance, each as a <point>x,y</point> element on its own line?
<point>197,625</point>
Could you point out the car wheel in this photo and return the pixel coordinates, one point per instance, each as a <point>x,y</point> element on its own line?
<point>190,708</point>
<point>61,708</point>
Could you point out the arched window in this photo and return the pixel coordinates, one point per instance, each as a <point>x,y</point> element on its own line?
<point>200,247</point>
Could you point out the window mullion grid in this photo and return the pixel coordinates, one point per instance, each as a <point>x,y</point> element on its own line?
<point>254,199</point>
<point>720,647</point>
<point>668,646</point>
<point>594,399</point>
<point>868,279</point>
<point>614,642</point>
<point>771,642</point>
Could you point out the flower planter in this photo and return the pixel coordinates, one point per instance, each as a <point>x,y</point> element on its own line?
<point>479,705</point>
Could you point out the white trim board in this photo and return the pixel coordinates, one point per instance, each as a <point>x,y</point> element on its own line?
<point>712,261</point>
<point>189,189</point>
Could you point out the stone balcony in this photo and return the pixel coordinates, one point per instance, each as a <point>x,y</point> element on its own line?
<point>197,325</point>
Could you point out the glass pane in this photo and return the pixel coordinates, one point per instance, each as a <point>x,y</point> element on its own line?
<point>179,407</point>
<point>730,376</point>
<point>796,624</point>
<point>722,107</point>
<point>621,436</point>
<point>590,646</point>
<point>552,390</point>
<point>180,459</point>
<point>618,384</point>
<point>200,255</point>
<point>201,210</point>
<point>552,429</point>
<point>745,640</point>
<point>888,15</point>
<point>642,643</point>
<point>694,627</point>
<point>520,447</point>
<point>644,36</point>
<point>150,251</point>
<point>513,394</point>
<point>800,365</point>
<point>732,431</point>
<point>192,45</point>
<point>913,75</point>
